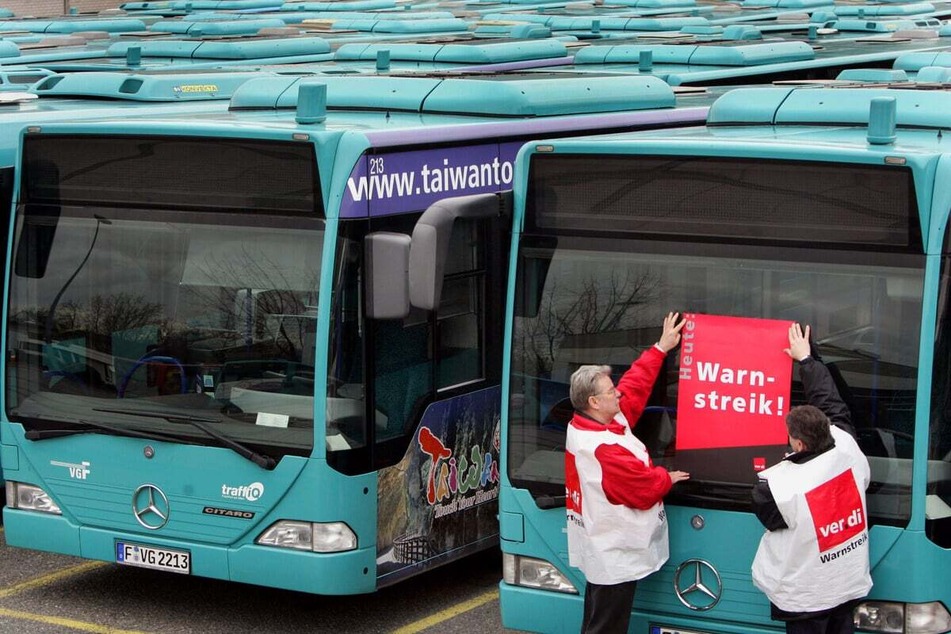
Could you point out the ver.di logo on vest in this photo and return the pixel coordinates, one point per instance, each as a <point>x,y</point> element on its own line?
<point>836,509</point>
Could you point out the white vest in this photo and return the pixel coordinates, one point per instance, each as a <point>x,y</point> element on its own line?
<point>821,560</point>
<point>610,543</point>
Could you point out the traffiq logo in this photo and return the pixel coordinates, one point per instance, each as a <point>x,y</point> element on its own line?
<point>250,492</point>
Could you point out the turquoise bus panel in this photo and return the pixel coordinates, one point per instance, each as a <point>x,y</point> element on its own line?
<point>226,50</point>
<point>787,4</point>
<point>540,97</point>
<point>626,24</point>
<point>52,533</point>
<point>340,573</point>
<point>741,32</point>
<point>132,87</point>
<point>725,55</point>
<point>146,6</point>
<point>475,53</point>
<point>397,52</point>
<point>225,5</point>
<point>867,75</point>
<point>911,8</point>
<point>206,29</point>
<point>550,97</point>
<point>318,573</point>
<point>535,18</point>
<point>263,48</point>
<point>514,31</point>
<point>116,25</point>
<point>711,30</point>
<point>934,74</point>
<point>875,26</point>
<point>9,49</point>
<point>832,106</point>
<point>344,5</point>
<point>916,61</point>
<point>757,108</point>
<point>528,610</point>
<point>152,48</point>
<point>397,93</point>
<point>323,17</point>
<point>657,4</point>
<point>403,26</point>
<point>22,79</point>
<point>214,478</point>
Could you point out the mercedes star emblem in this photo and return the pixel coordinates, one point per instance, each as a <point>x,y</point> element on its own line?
<point>150,507</point>
<point>697,584</point>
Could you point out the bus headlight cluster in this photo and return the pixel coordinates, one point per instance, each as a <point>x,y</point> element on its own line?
<point>902,618</point>
<point>534,573</point>
<point>27,497</point>
<point>318,537</point>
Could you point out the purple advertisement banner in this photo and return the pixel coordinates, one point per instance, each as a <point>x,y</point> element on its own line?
<point>399,182</point>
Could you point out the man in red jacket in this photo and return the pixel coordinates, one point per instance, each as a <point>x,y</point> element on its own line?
<point>617,525</point>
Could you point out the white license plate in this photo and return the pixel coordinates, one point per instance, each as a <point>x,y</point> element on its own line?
<point>661,629</point>
<point>129,554</point>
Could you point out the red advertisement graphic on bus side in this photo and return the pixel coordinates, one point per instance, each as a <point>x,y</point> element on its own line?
<point>836,509</point>
<point>734,382</point>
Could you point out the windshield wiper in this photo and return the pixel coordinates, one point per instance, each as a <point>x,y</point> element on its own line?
<point>95,427</point>
<point>265,462</point>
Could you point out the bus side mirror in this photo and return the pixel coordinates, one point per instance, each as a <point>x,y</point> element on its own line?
<point>387,263</point>
<point>430,246</point>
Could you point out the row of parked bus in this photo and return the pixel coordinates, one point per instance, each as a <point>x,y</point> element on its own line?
<point>293,290</point>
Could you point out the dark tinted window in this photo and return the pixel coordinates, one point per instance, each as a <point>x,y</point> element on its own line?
<point>739,199</point>
<point>171,173</point>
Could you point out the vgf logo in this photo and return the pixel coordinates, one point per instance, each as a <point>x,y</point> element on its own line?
<point>77,471</point>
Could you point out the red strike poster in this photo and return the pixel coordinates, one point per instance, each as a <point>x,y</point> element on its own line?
<point>734,382</point>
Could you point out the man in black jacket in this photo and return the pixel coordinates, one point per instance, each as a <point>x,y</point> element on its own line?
<point>821,458</point>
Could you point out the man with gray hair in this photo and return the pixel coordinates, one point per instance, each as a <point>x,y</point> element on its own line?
<point>617,525</point>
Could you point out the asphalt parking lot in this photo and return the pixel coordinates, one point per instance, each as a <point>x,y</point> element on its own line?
<point>41,592</point>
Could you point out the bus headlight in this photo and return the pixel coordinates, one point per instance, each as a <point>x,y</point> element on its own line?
<point>534,573</point>
<point>30,498</point>
<point>902,618</point>
<point>330,537</point>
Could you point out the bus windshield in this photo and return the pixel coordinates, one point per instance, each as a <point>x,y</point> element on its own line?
<point>590,300</point>
<point>195,325</point>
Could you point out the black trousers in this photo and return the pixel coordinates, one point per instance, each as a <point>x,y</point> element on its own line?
<point>836,621</point>
<point>607,609</point>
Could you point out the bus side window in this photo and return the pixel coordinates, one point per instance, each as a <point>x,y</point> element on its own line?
<point>426,353</point>
<point>403,372</point>
<point>460,318</point>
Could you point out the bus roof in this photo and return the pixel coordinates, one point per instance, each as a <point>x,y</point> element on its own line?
<point>840,118</point>
<point>234,49</point>
<point>154,87</point>
<point>407,111</point>
<point>917,106</point>
<point>465,52</point>
<point>67,25</point>
<point>728,60</point>
<point>513,95</point>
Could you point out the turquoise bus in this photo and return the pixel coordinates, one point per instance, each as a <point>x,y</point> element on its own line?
<point>213,362</point>
<point>824,206</point>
